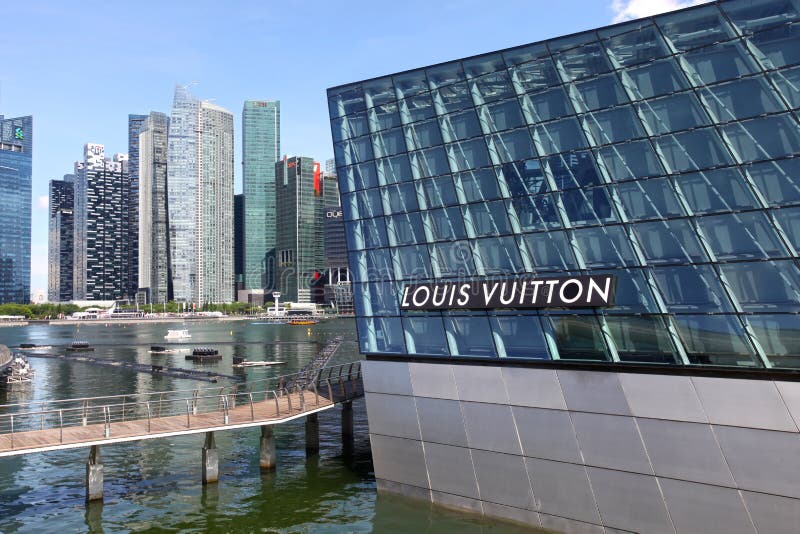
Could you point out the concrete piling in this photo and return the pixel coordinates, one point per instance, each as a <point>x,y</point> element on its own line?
<point>312,434</point>
<point>267,459</point>
<point>210,460</point>
<point>347,422</point>
<point>94,475</point>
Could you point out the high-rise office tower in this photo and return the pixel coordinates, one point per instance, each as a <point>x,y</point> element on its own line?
<point>16,146</point>
<point>61,239</point>
<point>130,200</point>
<point>238,243</point>
<point>200,198</point>
<point>153,222</point>
<point>100,258</point>
<point>337,273</point>
<point>261,148</point>
<point>299,237</point>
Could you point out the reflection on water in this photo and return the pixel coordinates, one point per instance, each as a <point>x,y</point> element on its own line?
<point>155,486</point>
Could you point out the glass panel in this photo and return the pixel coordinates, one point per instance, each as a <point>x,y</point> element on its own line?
<point>535,213</point>
<point>658,78</point>
<point>502,116</point>
<point>779,181</point>
<point>425,336</point>
<point>632,293</point>
<point>559,136</point>
<point>523,177</point>
<point>788,82</point>
<point>716,191</point>
<point>452,98</point>
<point>346,101</point>
<point>410,83</point>
<point>694,150</point>
<point>417,108</point>
<point>485,64</point>
<point>354,151</point>
<point>672,241</point>
<point>695,28</point>
<point>630,160</point>
<point>522,54</point>
<point>723,61</point>
<point>535,75</point>
<point>586,60</point>
<point>468,155</point>
<point>613,125</point>
<point>349,207</point>
<point>446,224</point>
<point>412,263</point>
<point>692,289</point>
<point>446,74</point>
<point>754,15</point>
<point>513,146</point>
<point>741,236</point>
<point>470,336</point>
<point>780,46</point>
<point>639,46</point>
<point>384,117</point>
<point>371,265</point>
<point>495,86</point>
<point>498,255</point>
<point>478,185</point>
<point>546,105</point>
<point>462,125</point>
<point>369,203</point>
<point>393,170</point>
<point>779,336</point>
<point>349,127</point>
<point>486,218</point>
<point>605,246</point>
<point>740,99</point>
<point>715,340</point>
<point>588,206</point>
<point>765,286</point>
<point>789,220</point>
<point>405,229</point>
<point>365,175</point>
<point>438,191</point>
<point>381,335</point>
<point>423,134</point>
<point>378,92</point>
<point>388,143</point>
<point>642,339</point>
<point>601,92</point>
<point>430,162</point>
<point>377,298</point>
<point>673,113</point>
<point>578,338</point>
<point>573,169</point>
<point>453,259</point>
<point>649,199</point>
<point>550,251</point>
<point>519,336</point>
<point>367,233</point>
<point>767,137</point>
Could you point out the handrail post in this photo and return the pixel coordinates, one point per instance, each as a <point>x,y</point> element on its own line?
<point>148,417</point>
<point>160,398</point>
<point>225,408</point>
<point>289,398</point>
<point>12,430</point>
<point>316,394</point>
<point>188,412</point>
<point>277,404</point>
<point>123,409</point>
<point>107,413</point>
<point>330,388</point>
<point>252,410</point>
<point>302,401</point>
<point>41,418</point>
<point>85,413</point>
<point>61,426</point>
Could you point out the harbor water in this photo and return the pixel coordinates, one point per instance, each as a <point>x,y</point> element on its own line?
<point>155,485</point>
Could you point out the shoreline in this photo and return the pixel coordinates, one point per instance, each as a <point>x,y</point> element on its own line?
<point>139,320</point>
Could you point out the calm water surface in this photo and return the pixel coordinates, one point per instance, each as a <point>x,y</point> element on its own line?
<point>154,485</point>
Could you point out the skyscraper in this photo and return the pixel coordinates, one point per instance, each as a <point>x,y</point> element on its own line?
<point>61,239</point>
<point>130,201</point>
<point>200,199</point>
<point>16,147</point>
<point>299,246</point>
<point>101,237</point>
<point>261,148</point>
<point>238,243</point>
<point>153,223</point>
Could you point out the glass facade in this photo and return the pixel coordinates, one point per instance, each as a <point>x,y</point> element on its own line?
<point>16,150</point>
<point>662,151</point>
<point>60,239</point>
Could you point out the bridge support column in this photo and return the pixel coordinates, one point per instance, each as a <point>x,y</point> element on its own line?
<point>94,475</point>
<point>266,457</point>
<point>347,422</point>
<point>210,460</point>
<point>312,434</point>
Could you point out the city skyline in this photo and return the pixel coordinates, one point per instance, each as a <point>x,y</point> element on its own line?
<point>170,52</point>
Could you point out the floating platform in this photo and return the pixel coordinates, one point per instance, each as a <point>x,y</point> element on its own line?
<point>80,346</point>
<point>204,354</point>
<point>245,363</point>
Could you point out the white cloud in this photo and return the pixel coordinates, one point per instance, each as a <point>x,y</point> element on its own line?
<point>636,9</point>
<point>42,203</point>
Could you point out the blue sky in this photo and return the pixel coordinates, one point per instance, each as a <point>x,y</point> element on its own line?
<point>81,67</point>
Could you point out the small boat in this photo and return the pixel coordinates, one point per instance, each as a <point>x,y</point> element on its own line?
<point>158,348</point>
<point>303,322</point>
<point>204,354</point>
<point>80,346</point>
<point>178,334</point>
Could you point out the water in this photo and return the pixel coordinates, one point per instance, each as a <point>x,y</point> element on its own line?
<point>154,485</point>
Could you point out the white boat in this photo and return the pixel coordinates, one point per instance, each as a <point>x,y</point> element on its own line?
<point>177,334</point>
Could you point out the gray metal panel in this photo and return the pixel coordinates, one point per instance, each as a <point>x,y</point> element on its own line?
<point>745,403</point>
<point>386,377</point>
<point>433,380</point>
<point>773,514</point>
<point>502,479</point>
<point>611,441</point>
<point>762,460</point>
<point>456,501</point>
<point>562,489</point>
<point>662,397</point>
<point>703,509</point>
<point>441,421</point>
<point>413,492</point>
<point>480,384</point>
<point>538,388</point>
<point>450,470</point>
<point>590,391</point>
<point>517,515</point>
<point>490,427</point>
<point>392,415</point>
<point>399,460</point>
<point>790,392</point>
<point>630,502</point>
<point>568,526</point>
<point>547,434</point>
<point>687,451</point>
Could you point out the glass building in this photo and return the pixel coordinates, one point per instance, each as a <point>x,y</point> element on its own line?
<point>60,244</point>
<point>661,151</point>
<point>16,149</point>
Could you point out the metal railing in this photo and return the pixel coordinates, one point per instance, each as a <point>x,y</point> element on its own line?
<point>265,399</point>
